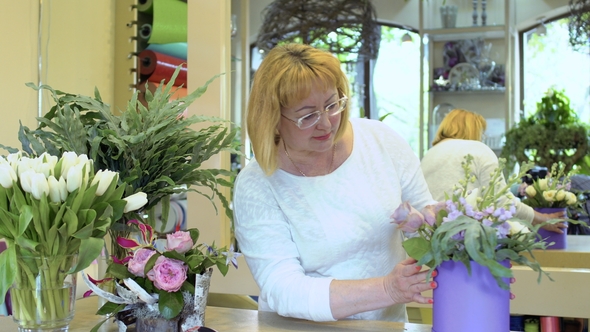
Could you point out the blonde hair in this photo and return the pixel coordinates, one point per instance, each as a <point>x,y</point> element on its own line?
<point>461,124</point>
<point>285,77</point>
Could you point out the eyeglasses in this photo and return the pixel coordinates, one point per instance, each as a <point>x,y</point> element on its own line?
<point>309,120</point>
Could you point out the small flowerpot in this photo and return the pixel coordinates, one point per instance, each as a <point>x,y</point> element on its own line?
<point>197,317</point>
<point>43,293</point>
<point>467,303</point>
<point>560,240</point>
<point>157,325</point>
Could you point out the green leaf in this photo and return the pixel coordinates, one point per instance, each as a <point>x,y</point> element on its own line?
<point>71,221</point>
<point>170,304</point>
<point>90,248</point>
<point>26,215</point>
<point>110,308</point>
<point>416,247</point>
<point>150,263</point>
<point>8,271</point>
<point>119,271</point>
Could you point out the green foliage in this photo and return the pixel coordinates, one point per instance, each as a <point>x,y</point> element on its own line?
<point>552,135</point>
<point>472,226</point>
<point>154,149</point>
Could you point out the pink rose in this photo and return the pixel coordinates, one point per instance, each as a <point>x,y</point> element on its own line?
<point>168,274</point>
<point>407,218</point>
<point>179,241</point>
<point>140,258</point>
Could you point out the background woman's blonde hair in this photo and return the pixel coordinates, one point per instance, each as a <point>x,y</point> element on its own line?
<point>286,77</point>
<point>461,124</point>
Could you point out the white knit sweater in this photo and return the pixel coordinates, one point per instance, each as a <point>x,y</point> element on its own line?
<point>299,233</point>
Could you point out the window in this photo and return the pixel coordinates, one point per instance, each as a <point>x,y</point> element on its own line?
<point>549,60</point>
<point>392,94</point>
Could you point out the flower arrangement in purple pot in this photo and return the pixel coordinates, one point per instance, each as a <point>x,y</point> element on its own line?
<point>470,240</point>
<point>472,225</point>
<point>159,278</point>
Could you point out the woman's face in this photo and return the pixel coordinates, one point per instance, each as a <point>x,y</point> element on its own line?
<point>317,138</point>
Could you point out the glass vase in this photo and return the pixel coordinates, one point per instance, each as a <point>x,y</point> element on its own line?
<point>44,294</point>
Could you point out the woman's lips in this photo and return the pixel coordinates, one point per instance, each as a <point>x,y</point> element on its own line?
<point>323,138</point>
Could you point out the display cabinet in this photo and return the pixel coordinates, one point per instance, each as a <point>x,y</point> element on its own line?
<point>468,49</point>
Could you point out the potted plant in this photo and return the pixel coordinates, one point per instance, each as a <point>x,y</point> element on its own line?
<point>470,240</point>
<point>553,134</point>
<point>165,285</point>
<point>154,148</point>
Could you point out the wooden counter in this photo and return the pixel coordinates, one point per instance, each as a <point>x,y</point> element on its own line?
<point>227,319</point>
<point>576,255</point>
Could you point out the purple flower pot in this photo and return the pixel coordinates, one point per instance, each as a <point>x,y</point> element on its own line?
<point>548,236</point>
<point>467,303</point>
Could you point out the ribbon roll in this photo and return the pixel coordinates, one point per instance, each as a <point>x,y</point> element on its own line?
<point>155,67</point>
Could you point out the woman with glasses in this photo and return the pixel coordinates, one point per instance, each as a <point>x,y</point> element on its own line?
<point>461,133</point>
<point>312,210</point>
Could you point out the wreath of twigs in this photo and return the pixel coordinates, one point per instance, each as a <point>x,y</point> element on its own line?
<point>314,22</point>
<point>579,26</point>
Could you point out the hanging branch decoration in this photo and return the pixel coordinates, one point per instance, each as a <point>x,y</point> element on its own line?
<point>579,26</point>
<point>347,28</point>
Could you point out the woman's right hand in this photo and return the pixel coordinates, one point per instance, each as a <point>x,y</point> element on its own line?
<point>557,227</point>
<point>406,282</point>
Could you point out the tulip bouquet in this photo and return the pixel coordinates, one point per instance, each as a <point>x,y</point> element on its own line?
<point>472,225</point>
<point>55,213</point>
<point>553,191</point>
<point>163,279</point>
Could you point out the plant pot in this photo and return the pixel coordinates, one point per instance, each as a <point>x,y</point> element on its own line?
<point>157,325</point>
<point>466,303</point>
<point>197,317</point>
<point>549,236</point>
<point>43,293</point>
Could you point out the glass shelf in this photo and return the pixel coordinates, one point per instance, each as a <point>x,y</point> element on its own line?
<point>487,32</point>
<point>498,91</point>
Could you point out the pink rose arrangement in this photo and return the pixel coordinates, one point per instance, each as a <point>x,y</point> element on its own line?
<point>472,225</point>
<point>160,270</point>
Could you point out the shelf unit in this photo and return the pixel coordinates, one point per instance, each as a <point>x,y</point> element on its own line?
<point>496,105</point>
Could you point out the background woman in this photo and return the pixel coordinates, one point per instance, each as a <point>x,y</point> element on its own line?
<point>460,133</point>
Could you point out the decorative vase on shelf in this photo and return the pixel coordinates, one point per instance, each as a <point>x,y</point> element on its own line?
<point>448,16</point>
<point>43,293</point>
<point>466,303</point>
<point>560,240</point>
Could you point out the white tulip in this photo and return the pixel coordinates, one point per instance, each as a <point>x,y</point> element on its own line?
<point>516,227</point>
<point>54,191</point>
<point>69,159</point>
<point>104,179</point>
<point>543,184</point>
<point>39,185</point>
<point>530,191</point>
<point>74,178</point>
<point>26,180</point>
<point>135,201</point>
<point>549,195</point>
<point>560,196</point>
<point>49,160</point>
<point>63,189</point>
<point>570,198</point>
<point>7,175</point>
